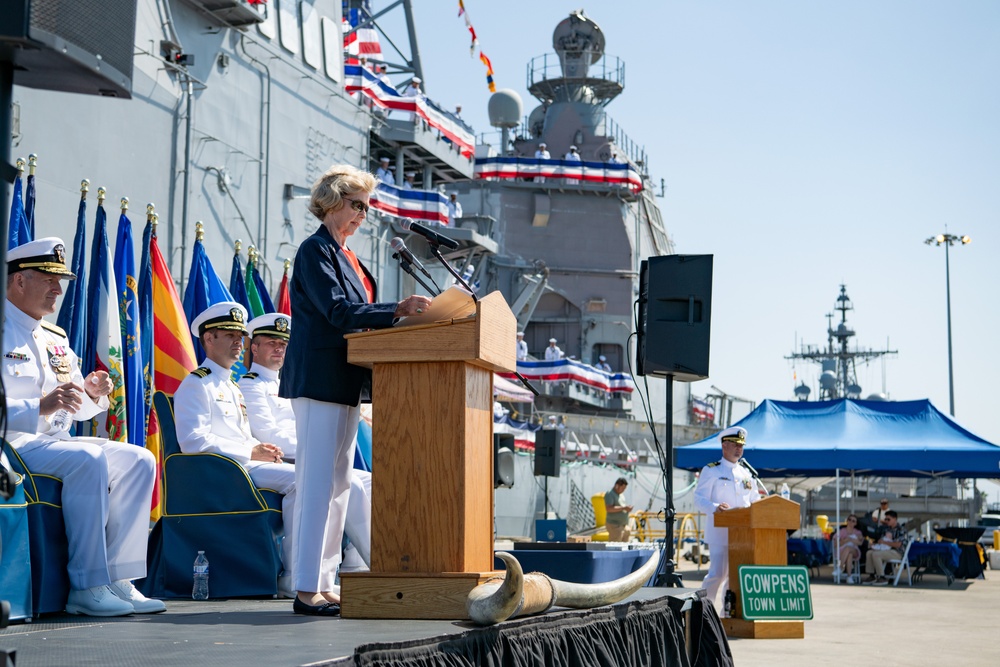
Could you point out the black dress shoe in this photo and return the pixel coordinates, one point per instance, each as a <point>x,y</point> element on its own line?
<point>325,609</point>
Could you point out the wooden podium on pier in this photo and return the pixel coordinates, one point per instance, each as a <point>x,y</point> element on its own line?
<point>758,536</point>
<point>432,462</point>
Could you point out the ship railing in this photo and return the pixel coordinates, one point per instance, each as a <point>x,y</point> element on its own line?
<point>554,75</point>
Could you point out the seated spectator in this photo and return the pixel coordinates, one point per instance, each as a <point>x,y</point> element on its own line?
<point>107,486</point>
<point>889,545</point>
<point>272,420</point>
<point>210,413</point>
<point>878,514</point>
<point>847,542</point>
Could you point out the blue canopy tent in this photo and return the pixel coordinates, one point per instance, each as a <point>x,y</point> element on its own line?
<point>822,438</point>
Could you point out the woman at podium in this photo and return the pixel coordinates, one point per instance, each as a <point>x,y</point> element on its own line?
<point>332,294</point>
<point>722,485</point>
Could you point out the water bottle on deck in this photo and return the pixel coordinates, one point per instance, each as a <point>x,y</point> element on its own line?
<point>200,590</point>
<point>785,493</point>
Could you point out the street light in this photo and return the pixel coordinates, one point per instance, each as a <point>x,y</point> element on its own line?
<point>946,240</point>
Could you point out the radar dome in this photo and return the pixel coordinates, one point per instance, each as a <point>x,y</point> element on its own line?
<point>505,108</point>
<point>877,397</point>
<point>854,390</point>
<point>827,380</point>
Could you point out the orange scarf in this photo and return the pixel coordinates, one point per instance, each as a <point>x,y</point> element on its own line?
<point>353,259</point>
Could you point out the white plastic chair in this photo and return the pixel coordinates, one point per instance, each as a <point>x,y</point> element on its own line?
<point>902,564</point>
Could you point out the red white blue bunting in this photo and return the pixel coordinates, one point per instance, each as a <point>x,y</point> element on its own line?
<point>500,168</point>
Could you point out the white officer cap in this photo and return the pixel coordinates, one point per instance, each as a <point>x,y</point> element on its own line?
<point>520,333</point>
<point>383,159</point>
<point>552,340</point>
<point>572,148</point>
<point>734,434</point>
<point>47,255</point>
<point>227,315</point>
<point>542,145</point>
<point>410,174</point>
<point>278,325</point>
<point>417,79</point>
<point>602,358</point>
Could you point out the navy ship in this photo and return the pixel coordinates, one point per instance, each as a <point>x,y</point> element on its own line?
<point>235,107</point>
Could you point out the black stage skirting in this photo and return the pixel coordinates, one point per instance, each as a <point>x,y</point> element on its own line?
<point>649,632</point>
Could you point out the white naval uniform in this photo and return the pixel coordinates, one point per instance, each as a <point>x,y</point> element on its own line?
<point>454,210</point>
<point>721,482</point>
<point>553,353</point>
<point>272,420</point>
<point>210,416</point>
<point>107,485</point>
<point>385,176</point>
<point>522,350</point>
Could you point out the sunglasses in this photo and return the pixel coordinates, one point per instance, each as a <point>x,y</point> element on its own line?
<point>358,205</point>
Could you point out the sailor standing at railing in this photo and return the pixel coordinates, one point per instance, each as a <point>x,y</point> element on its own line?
<point>383,173</point>
<point>542,154</point>
<point>552,352</point>
<point>522,347</point>
<point>723,485</point>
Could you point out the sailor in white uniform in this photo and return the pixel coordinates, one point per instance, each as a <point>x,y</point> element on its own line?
<point>723,485</point>
<point>522,347</point>
<point>542,154</point>
<point>383,174</point>
<point>272,420</point>
<point>107,485</point>
<point>552,352</point>
<point>210,412</point>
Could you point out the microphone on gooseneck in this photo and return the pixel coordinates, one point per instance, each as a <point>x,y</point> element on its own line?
<point>432,237</point>
<point>404,252</point>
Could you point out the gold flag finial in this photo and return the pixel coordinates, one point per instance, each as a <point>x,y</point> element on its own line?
<point>84,188</point>
<point>124,204</point>
<point>288,265</point>
<point>20,165</point>
<point>199,231</point>
<point>252,254</point>
<point>32,163</point>
<point>153,220</point>
<point>150,211</point>
<point>102,193</point>
<point>239,246</point>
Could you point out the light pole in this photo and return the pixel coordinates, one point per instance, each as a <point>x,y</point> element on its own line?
<point>946,240</point>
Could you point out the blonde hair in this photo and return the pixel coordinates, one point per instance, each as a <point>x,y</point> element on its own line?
<point>340,179</point>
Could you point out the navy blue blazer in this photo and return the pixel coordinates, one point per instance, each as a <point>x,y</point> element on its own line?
<point>328,301</point>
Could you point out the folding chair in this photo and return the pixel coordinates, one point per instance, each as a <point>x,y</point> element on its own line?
<point>902,564</point>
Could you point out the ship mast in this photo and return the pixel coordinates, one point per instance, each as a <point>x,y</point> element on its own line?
<point>838,378</point>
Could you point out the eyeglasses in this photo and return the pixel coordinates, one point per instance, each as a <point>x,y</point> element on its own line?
<point>358,205</point>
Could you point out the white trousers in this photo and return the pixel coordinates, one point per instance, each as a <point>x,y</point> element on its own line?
<point>717,579</point>
<point>106,497</point>
<point>279,477</point>
<point>324,458</point>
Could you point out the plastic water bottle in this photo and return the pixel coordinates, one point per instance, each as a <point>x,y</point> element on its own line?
<point>61,420</point>
<point>785,493</point>
<point>200,590</point>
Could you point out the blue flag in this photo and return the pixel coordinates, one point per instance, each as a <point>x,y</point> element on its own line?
<point>265,298</point>
<point>29,209</point>
<point>19,233</point>
<point>73,312</point>
<point>236,286</point>
<point>98,260</point>
<point>204,288</point>
<point>146,324</point>
<point>128,312</point>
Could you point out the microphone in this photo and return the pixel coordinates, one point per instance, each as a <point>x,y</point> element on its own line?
<point>404,252</point>
<point>750,468</point>
<point>432,237</point>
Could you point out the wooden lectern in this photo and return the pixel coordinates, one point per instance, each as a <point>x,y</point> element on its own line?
<point>758,536</point>
<point>432,462</point>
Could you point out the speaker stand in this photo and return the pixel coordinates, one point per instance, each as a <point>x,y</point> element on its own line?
<point>665,574</point>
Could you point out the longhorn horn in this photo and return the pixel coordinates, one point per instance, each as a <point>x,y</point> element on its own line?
<point>519,594</point>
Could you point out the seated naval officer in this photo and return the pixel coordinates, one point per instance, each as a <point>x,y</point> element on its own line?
<point>210,412</point>
<point>272,420</point>
<point>107,485</point>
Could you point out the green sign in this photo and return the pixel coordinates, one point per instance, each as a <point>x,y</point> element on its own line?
<point>775,593</point>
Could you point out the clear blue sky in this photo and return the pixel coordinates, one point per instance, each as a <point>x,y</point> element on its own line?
<point>805,145</point>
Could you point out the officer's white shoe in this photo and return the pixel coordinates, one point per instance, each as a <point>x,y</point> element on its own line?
<point>97,601</point>
<point>285,589</point>
<point>142,604</point>
<point>352,561</point>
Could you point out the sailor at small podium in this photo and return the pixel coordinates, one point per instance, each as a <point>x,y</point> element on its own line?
<point>332,294</point>
<point>724,484</point>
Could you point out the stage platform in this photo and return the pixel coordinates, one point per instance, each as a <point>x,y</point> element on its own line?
<point>245,633</point>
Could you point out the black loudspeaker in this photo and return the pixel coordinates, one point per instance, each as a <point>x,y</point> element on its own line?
<point>503,460</point>
<point>548,445</point>
<point>76,46</point>
<point>675,315</point>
